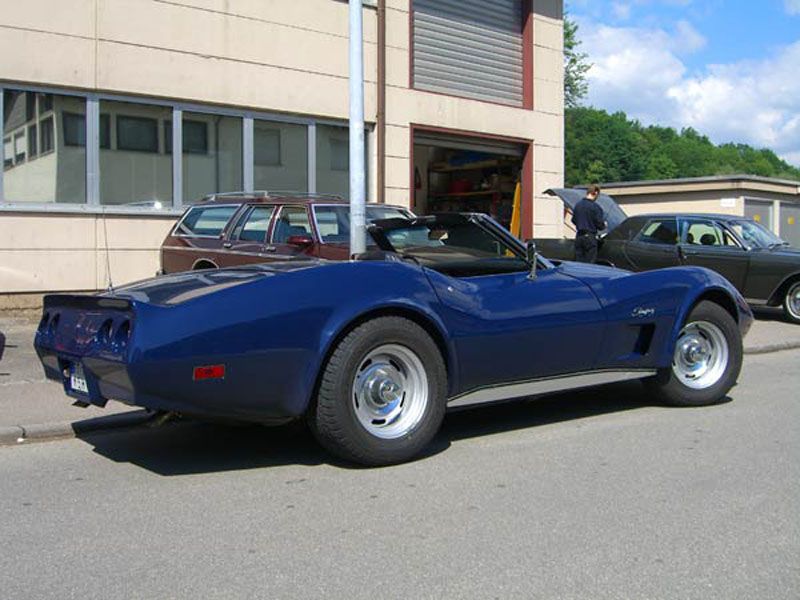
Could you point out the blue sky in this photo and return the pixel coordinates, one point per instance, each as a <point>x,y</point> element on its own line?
<point>730,69</point>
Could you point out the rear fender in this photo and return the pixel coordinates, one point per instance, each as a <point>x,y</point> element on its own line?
<point>344,321</point>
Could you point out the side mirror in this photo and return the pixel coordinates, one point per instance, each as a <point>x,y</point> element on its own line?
<point>302,241</point>
<point>531,257</point>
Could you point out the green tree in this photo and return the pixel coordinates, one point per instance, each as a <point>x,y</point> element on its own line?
<point>575,66</point>
<point>603,148</point>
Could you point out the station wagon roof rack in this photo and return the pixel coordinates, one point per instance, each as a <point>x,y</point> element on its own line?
<point>272,194</point>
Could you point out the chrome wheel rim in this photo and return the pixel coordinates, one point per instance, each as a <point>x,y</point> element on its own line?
<point>390,391</point>
<point>701,355</point>
<point>793,300</point>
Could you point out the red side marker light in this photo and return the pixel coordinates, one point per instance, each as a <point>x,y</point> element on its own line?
<point>209,372</point>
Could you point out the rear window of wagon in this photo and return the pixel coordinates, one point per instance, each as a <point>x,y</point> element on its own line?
<point>209,221</point>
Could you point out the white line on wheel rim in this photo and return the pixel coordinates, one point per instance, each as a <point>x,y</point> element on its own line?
<point>701,355</point>
<point>390,391</point>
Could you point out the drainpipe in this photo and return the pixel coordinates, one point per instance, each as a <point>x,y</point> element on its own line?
<point>358,241</point>
<point>381,117</point>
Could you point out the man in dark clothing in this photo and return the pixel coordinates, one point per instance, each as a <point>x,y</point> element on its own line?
<point>588,219</point>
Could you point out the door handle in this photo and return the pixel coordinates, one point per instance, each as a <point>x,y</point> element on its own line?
<point>269,248</point>
<point>227,245</point>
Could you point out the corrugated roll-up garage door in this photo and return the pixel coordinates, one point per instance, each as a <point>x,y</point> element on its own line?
<point>470,48</point>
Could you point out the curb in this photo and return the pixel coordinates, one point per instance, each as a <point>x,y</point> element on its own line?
<point>49,431</point>
<point>769,348</point>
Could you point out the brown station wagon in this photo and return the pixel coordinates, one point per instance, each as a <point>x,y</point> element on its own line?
<point>240,228</point>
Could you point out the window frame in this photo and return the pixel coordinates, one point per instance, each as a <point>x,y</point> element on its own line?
<point>94,144</point>
<point>277,216</point>
<point>639,237</point>
<point>685,224</point>
<point>197,207</point>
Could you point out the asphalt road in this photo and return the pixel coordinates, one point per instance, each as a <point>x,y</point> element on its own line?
<point>592,495</point>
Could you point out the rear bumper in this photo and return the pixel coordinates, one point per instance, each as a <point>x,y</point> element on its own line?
<point>165,387</point>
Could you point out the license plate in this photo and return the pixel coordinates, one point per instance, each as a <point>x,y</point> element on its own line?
<point>77,380</point>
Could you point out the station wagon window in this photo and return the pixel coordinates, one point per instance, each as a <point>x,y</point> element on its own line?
<point>291,221</point>
<point>253,226</point>
<point>660,231</point>
<point>706,233</point>
<point>209,221</point>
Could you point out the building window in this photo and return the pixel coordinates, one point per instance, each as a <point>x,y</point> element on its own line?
<point>138,134</point>
<point>340,154</point>
<point>19,150</point>
<point>105,131</point>
<point>61,176</point>
<point>267,146</point>
<point>46,135</point>
<point>133,147</point>
<point>45,102</point>
<point>195,137</point>
<point>74,129</point>
<point>333,160</point>
<point>212,155</point>
<point>280,156</point>
<point>132,171</point>
<point>30,106</point>
<point>32,141</point>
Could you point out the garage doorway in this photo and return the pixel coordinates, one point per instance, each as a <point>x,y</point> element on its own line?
<point>468,173</point>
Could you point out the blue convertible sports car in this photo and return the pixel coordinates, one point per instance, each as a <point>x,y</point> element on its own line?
<point>446,311</point>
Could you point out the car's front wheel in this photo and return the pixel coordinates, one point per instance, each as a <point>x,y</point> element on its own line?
<point>382,393</point>
<point>791,303</point>
<point>706,361</point>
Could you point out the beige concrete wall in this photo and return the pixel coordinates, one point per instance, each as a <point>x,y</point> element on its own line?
<point>266,55</point>
<point>677,202</point>
<point>544,125</point>
<point>40,252</point>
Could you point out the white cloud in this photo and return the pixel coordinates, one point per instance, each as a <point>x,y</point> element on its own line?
<point>792,6</point>
<point>621,10</point>
<point>640,71</point>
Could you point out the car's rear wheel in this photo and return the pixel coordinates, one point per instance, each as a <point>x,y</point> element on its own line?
<point>706,361</point>
<point>791,303</point>
<point>382,393</point>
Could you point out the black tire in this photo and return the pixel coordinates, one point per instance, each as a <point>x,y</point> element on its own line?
<point>791,306</point>
<point>676,390</point>
<point>339,418</point>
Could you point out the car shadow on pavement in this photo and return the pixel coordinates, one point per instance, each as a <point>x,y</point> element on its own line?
<point>191,447</point>
<point>767,313</point>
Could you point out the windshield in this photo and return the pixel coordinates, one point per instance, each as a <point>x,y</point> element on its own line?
<point>458,245</point>
<point>756,235</point>
<point>333,222</point>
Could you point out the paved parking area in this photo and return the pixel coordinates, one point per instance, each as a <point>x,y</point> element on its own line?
<point>595,495</point>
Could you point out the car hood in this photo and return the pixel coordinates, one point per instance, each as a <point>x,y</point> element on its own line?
<point>614,215</point>
<point>181,287</point>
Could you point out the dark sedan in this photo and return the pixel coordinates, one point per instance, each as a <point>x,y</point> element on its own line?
<point>764,268</point>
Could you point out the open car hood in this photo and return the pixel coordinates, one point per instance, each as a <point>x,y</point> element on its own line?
<point>571,196</point>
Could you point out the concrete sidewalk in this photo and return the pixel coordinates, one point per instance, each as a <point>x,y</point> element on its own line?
<point>32,407</point>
